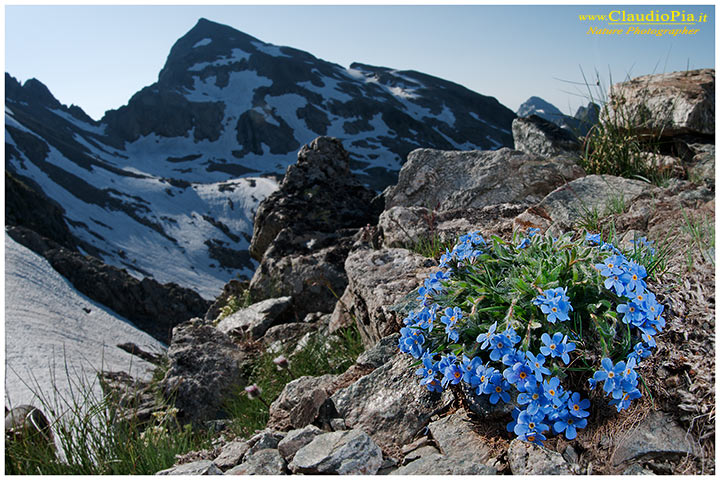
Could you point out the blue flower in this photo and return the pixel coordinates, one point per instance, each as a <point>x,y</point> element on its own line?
<point>411,341</point>
<point>593,239</point>
<point>552,389</point>
<point>428,370</point>
<point>533,396</point>
<point>569,424</point>
<point>529,423</point>
<point>469,367</point>
<point>611,266</point>
<point>452,374</point>
<point>632,313</point>
<point>635,275</point>
<point>639,352</point>
<point>567,347</point>
<point>624,401</point>
<point>537,364</point>
<point>552,347</point>
<point>450,319</point>
<point>525,242</point>
<point>610,374</point>
<point>555,304</point>
<point>577,406</point>
<point>486,337</point>
<point>484,374</point>
<point>532,231</point>
<point>497,389</point>
<point>518,375</point>
<point>500,345</point>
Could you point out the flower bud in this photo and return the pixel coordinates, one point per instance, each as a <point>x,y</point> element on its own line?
<point>281,362</point>
<point>253,391</point>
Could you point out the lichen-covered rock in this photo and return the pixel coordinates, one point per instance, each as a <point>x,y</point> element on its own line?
<point>530,459</point>
<point>350,452</point>
<point>657,436</point>
<point>205,365</point>
<point>389,404</point>
<point>667,104</point>
<point>296,439</point>
<point>299,403</point>
<point>377,279</point>
<point>538,136</point>
<point>593,195</point>
<point>201,467</point>
<point>252,322</point>
<point>403,226</point>
<point>286,335</point>
<point>381,353</point>
<point>444,180</point>
<point>263,462</point>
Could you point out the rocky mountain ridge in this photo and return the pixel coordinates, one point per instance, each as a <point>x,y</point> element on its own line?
<point>181,169</point>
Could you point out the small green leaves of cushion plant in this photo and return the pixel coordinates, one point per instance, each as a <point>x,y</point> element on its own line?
<point>540,316</point>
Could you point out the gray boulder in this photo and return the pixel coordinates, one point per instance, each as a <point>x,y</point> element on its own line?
<point>286,335</point>
<point>378,279</point>
<point>267,439</point>
<point>296,439</point>
<point>535,135</point>
<point>201,467</point>
<point>312,278</point>
<point>389,404</point>
<point>530,459</point>
<point>403,226</point>
<point>299,403</point>
<point>381,353</point>
<point>252,322</point>
<point>263,462</point>
<point>587,196</point>
<point>231,454</point>
<point>205,366</point>
<point>444,180</point>
<point>455,436</point>
<point>657,436</point>
<point>667,104</point>
<point>350,452</point>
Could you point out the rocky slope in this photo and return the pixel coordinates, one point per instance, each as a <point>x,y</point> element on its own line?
<point>167,185</point>
<point>376,419</point>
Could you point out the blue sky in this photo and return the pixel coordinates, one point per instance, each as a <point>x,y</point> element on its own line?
<point>98,56</point>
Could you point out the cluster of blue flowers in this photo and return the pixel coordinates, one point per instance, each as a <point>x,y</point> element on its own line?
<point>543,405</point>
<point>626,279</point>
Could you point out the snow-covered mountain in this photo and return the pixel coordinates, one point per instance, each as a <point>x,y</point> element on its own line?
<point>49,324</point>
<point>579,124</point>
<point>167,185</point>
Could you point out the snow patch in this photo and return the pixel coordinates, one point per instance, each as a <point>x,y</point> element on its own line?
<point>48,324</point>
<point>203,42</point>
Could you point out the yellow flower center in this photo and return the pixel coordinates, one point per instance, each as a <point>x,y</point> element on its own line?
<point>611,374</point>
<point>576,407</point>
<point>552,346</point>
<point>531,425</point>
<point>552,393</point>
<point>498,389</point>
<point>457,374</point>
<point>523,375</point>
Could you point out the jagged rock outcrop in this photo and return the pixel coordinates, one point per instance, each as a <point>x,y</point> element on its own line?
<point>205,366</point>
<point>535,135</point>
<point>201,467</point>
<point>302,232</point>
<point>667,104</point>
<point>445,180</point>
<point>377,280</point>
<point>153,307</point>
